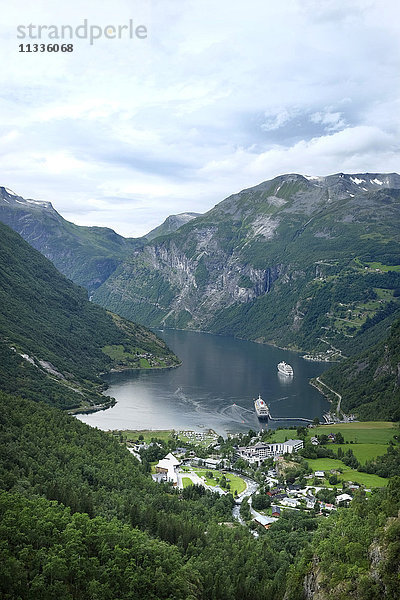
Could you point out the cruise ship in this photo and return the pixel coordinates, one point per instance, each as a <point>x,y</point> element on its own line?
<point>285,369</point>
<point>262,409</point>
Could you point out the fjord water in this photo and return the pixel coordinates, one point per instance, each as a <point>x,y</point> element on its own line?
<point>214,388</point>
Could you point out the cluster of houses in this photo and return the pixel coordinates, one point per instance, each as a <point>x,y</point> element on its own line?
<point>199,436</point>
<point>260,451</point>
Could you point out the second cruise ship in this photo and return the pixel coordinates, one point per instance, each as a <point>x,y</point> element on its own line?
<point>285,369</point>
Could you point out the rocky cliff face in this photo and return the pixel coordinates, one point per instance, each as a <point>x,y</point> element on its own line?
<point>257,264</point>
<point>171,224</point>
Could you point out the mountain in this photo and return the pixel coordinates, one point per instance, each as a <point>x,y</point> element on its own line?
<point>297,261</point>
<point>171,224</point>
<point>87,255</point>
<point>54,343</point>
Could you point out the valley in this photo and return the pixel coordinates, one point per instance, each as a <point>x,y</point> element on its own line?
<point>309,265</point>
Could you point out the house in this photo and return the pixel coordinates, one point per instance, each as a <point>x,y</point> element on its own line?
<point>310,501</point>
<point>264,521</point>
<point>167,467</point>
<point>294,488</point>
<point>319,474</point>
<point>279,497</point>
<point>314,441</point>
<point>276,511</point>
<point>345,498</point>
<point>329,506</point>
<point>290,502</point>
<point>353,486</point>
<point>331,437</point>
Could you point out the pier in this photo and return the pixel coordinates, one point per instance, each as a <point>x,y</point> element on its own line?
<point>290,419</point>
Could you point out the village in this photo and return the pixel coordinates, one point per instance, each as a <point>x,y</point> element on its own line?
<point>263,478</point>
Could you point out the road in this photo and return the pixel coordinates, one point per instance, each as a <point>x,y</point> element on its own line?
<point>333,392</point>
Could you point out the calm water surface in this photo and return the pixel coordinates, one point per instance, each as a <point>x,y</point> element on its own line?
<point>214,388</point>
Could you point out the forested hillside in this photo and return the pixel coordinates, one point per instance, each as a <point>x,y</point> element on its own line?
<point>370,381</point>
<point>354,554</point>
<point>54,342</point>
<point>48,454</point>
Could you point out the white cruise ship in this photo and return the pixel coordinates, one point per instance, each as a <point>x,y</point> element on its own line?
<point>285,369</point>
<point>262,409</point>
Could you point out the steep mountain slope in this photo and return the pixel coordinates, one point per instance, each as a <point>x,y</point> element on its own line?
<point>171,224</point>
<point>54,342</point>
<point>297,261</point>
<point>370,381</point>
<point>87,255</point>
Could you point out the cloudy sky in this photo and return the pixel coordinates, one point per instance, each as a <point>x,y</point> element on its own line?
<point>220,96</point>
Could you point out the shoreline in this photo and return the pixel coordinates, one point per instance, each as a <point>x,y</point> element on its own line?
<point>258,341</point>
<point>113,401</point>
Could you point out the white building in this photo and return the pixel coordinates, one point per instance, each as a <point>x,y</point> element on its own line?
<point>290,502</point>
<point>310,501</point>
<point>343,498</point>
<point>168,468</point>
<point>261,451</point>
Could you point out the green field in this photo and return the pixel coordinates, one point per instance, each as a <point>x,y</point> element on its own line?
<point>280,435</point>
<point>148,434</point>
<point>348,474</point>
<point>382,267</point>
<point>362,452</point>
<point>367,432</point>
<point>208,480</point>
<point>186,481</point>
<point>236,483</point>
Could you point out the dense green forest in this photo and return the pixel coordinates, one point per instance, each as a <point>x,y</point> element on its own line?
<point>48,454</point>
<point>64,340</point>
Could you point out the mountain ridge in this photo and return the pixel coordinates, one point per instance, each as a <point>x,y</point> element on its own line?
<point>302,262</point>
<point>87,255</point>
